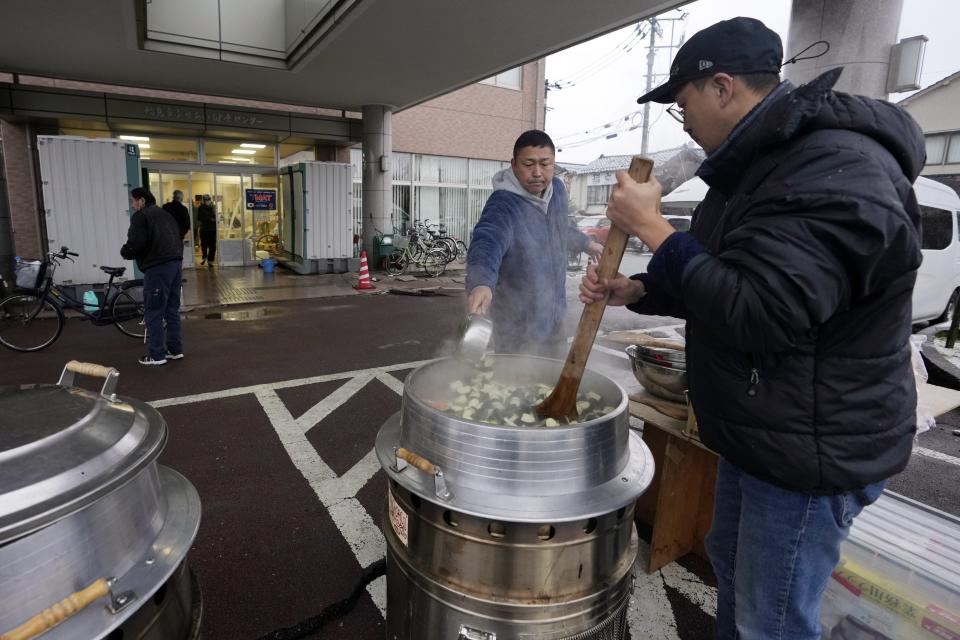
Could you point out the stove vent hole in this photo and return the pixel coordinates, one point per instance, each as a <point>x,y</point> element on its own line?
<point>497,530</point>
<point>620,512</point>
<point>546,532</point>
<point>159,596</point>
<point>590,526</point>
<point>450,518</point>
<point>116,634</point>
<point>415,501</point>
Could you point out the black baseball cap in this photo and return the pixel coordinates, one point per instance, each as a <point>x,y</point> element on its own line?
<point>735,46</point>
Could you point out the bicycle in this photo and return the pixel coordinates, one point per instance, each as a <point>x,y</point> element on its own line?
<point>432,259</point>
<point>31,321</point>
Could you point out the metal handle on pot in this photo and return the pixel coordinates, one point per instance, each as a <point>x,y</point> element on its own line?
<point>58,612</point>
<point>405,457</point>
<point>74,367</point>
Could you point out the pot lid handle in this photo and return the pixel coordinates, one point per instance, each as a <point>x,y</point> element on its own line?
<point>90,369</point>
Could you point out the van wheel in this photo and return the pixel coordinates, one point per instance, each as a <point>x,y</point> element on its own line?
<point>951,305</point>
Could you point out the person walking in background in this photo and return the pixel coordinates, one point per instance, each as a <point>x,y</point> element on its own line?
<point>154,241</point>
<point>207,217</point>
<point>517,262</point>
<point>179,212</point>
<point>795,281</point>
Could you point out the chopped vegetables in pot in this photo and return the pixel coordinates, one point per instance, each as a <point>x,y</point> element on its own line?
<point>480,398</point>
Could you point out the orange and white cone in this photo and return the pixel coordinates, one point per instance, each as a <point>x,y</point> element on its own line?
<point>364,282</point>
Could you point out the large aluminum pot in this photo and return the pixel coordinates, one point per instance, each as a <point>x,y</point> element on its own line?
<point>82,498</point>
<point>509,532</point>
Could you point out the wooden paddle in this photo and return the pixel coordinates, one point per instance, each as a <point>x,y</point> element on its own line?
<point>561,404</point>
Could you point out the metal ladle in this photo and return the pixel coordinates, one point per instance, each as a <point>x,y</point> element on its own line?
<point>476,332</point>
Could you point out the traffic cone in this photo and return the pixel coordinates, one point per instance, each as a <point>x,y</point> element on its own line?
<point>364,281</point>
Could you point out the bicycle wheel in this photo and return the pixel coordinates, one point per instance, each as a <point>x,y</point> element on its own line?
<point>461,251</point>
<point>29,323</point>
<point>127,311</point>
<point>397,262</point>
<point>435,262</point>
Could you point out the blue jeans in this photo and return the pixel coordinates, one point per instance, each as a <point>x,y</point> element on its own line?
<point>161,300</point>
<point>773,551</point>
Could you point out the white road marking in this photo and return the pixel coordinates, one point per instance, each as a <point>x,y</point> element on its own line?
<point>936,455</point>
<point>270,386</point>
<point>332,402</point>
<point>691,586</point>
<point>650,614</point>
<point>391,382</point>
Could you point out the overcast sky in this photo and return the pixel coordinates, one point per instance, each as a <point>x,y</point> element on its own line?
<point>608,73</point>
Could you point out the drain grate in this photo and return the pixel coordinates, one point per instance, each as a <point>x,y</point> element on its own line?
<point>233,295</point>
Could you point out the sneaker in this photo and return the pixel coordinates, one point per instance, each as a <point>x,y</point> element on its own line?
<point>174,356</point>
<point>150,362</point>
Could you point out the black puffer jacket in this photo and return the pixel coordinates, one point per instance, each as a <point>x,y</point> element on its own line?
<point>153,238</point>
<point>799,316</point>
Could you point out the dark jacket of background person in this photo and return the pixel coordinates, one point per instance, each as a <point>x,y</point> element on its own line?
<point>799,312</point>
<point>519,249</point>
<point>207,217</point>
<point>153,238</point>
<point>180,214</point>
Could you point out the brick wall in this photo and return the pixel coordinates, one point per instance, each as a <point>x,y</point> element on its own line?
<point>478,121</point>
<point>21,190</point>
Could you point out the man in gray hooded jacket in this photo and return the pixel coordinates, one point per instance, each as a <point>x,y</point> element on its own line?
<point>516,266</point>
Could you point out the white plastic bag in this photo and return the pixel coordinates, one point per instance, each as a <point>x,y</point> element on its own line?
<point>925,418</point>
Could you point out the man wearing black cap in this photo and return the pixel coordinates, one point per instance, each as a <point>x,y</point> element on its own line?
<point>795,281</point>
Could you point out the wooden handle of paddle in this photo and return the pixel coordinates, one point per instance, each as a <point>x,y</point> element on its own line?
<point>89,369</point>
<point>561,404</point>
<point>416,461</point>
<point>58,612</point>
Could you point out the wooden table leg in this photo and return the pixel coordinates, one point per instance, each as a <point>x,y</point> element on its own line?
<point>678,524</point>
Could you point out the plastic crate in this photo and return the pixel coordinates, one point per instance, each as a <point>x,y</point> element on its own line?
<point>898,577</point>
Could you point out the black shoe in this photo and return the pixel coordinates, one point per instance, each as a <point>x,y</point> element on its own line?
<point>148,360</point>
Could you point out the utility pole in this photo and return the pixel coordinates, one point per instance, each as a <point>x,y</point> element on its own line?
<point>651,56</point>
<point>653,78</point>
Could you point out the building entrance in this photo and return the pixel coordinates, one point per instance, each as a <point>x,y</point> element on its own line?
<point>246,213</point>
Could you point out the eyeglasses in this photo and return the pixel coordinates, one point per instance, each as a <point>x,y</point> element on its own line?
<point>676,113</point>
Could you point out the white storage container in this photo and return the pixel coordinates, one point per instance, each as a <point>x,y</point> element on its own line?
<point>86,184</point>
<point>898,577</point>
<point>328,216</point>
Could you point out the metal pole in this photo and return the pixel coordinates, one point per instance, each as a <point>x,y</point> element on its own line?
<point>6,229</point>
<point>651,56</point>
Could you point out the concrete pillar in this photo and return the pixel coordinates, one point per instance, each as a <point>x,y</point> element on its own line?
<point>860,33</point>
<point>377,175</point>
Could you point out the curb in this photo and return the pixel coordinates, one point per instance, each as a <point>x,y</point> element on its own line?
<point>940,371</point>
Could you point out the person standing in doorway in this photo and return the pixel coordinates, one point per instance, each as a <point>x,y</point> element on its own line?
<point>795,281</point>
<point>154,241</point>
<point>179,212</point>
<point>207,217</point>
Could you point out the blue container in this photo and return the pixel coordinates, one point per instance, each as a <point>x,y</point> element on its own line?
<point>268,265</point>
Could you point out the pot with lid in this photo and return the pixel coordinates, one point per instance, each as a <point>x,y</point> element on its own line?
<point>496,531</point>
<point>84,502</point>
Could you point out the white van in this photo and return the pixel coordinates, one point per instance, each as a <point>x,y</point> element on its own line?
<point>938,280</point>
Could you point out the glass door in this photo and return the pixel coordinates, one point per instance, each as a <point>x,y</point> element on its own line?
<point>232,241</point>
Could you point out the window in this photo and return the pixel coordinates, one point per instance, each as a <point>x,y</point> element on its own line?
<point>953,151</point>
<point>936,228</point>
<point>599,194</point>
<point>509,79</point>
<point>935,148</point>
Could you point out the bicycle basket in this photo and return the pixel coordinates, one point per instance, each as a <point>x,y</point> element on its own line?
<point>401,242</point>
<point>29,274</point>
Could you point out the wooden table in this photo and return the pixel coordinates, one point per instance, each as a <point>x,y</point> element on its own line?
<point>678,505</point>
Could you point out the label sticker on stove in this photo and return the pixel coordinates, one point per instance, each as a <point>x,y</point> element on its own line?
<point>399,519</point>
